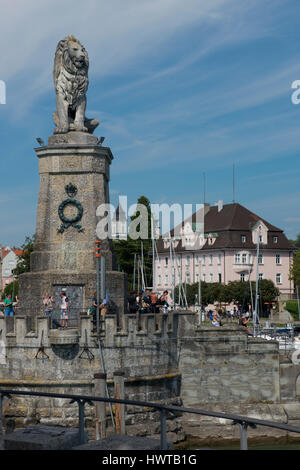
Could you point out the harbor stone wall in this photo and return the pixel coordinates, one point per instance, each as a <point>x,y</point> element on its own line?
<point>226,365</point>
<point>65,361</point>
<point>165,359</point>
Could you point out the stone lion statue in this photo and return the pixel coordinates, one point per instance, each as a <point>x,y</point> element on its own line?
<point>70,75</point>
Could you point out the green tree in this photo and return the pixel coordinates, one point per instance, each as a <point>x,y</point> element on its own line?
<point>210,292</point>
<point>297,241</point>
<point>11,288</point>
<point>295,269</point>
<point>126,249</point>
<point>23,263</point>
<point>235,291</point>
<point>267,291</point>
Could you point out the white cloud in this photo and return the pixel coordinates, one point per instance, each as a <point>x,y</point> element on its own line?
<point>117,35</point>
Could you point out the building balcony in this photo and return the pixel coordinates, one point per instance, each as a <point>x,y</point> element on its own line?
<point>242,267</point>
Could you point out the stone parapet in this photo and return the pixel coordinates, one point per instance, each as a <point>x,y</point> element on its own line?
<point>224,364</point>
<point>131,327</point>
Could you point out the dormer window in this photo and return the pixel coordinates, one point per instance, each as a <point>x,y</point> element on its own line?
<point>275,239</point>
<point>243,238</point>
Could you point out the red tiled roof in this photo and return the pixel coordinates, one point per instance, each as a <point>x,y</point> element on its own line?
<point>4,252</point>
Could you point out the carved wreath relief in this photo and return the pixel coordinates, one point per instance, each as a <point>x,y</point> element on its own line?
<point>67,222</point>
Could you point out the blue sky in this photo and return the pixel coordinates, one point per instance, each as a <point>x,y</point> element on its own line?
<point>180,88</point>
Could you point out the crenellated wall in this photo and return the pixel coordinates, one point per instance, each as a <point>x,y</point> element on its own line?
<point>141,346</point>
<point>165,357</point>
<point>225,365</point>
<point>65,361</point>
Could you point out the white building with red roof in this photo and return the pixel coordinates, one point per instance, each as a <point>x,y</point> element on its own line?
<point>9,259</point>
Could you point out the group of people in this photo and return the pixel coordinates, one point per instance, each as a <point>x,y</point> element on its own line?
<point>148,301</point>
<point>215,317</point>
<point>49,306</point>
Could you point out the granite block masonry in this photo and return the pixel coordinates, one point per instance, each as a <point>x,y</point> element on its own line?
<point>165,358</point>
<point>73,182</point>
<point>74,173</point>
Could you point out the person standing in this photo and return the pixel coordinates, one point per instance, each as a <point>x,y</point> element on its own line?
<point>132,302</point>
<point>64,305</point>
<point>154,300</point>
<point>49,309</point>
<point>146,300</point>
<point>139,301</point>
<point>8,306</point>
<point>94,310</point>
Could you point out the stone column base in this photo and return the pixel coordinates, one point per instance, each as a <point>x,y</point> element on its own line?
<point>82,286</point>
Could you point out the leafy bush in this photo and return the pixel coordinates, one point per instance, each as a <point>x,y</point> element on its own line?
<point>12,288</point>
<point>292,307</point>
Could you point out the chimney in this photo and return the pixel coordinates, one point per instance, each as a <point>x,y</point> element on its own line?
<point>219,204</point>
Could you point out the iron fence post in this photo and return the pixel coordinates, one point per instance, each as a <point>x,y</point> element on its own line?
<point>243,435</point>
<point>81,402</point>
<point>1,405</point>
<point>81,421</point>
<point>163,429</point>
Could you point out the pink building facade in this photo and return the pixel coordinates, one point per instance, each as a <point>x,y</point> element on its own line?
<point>227,251</point>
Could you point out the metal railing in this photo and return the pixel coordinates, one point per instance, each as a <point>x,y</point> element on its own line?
<point>82,400</point>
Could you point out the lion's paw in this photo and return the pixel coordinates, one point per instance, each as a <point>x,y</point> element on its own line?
<point>80,128</point>
<point>61,130</point>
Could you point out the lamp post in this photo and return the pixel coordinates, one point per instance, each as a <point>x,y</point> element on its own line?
<point>98,256</point>
<point>255,317</point>
<point>199,292</point>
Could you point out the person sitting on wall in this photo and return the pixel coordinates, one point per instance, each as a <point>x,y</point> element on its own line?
<point>166,301</point>
<point>104,305</point>
<point>216,320</point>
<point>243,321</point>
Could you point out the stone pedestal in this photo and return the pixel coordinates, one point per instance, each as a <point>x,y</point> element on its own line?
<point>74,177</point>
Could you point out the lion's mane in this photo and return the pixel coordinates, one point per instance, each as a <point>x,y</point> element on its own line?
<point>69,80</point>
